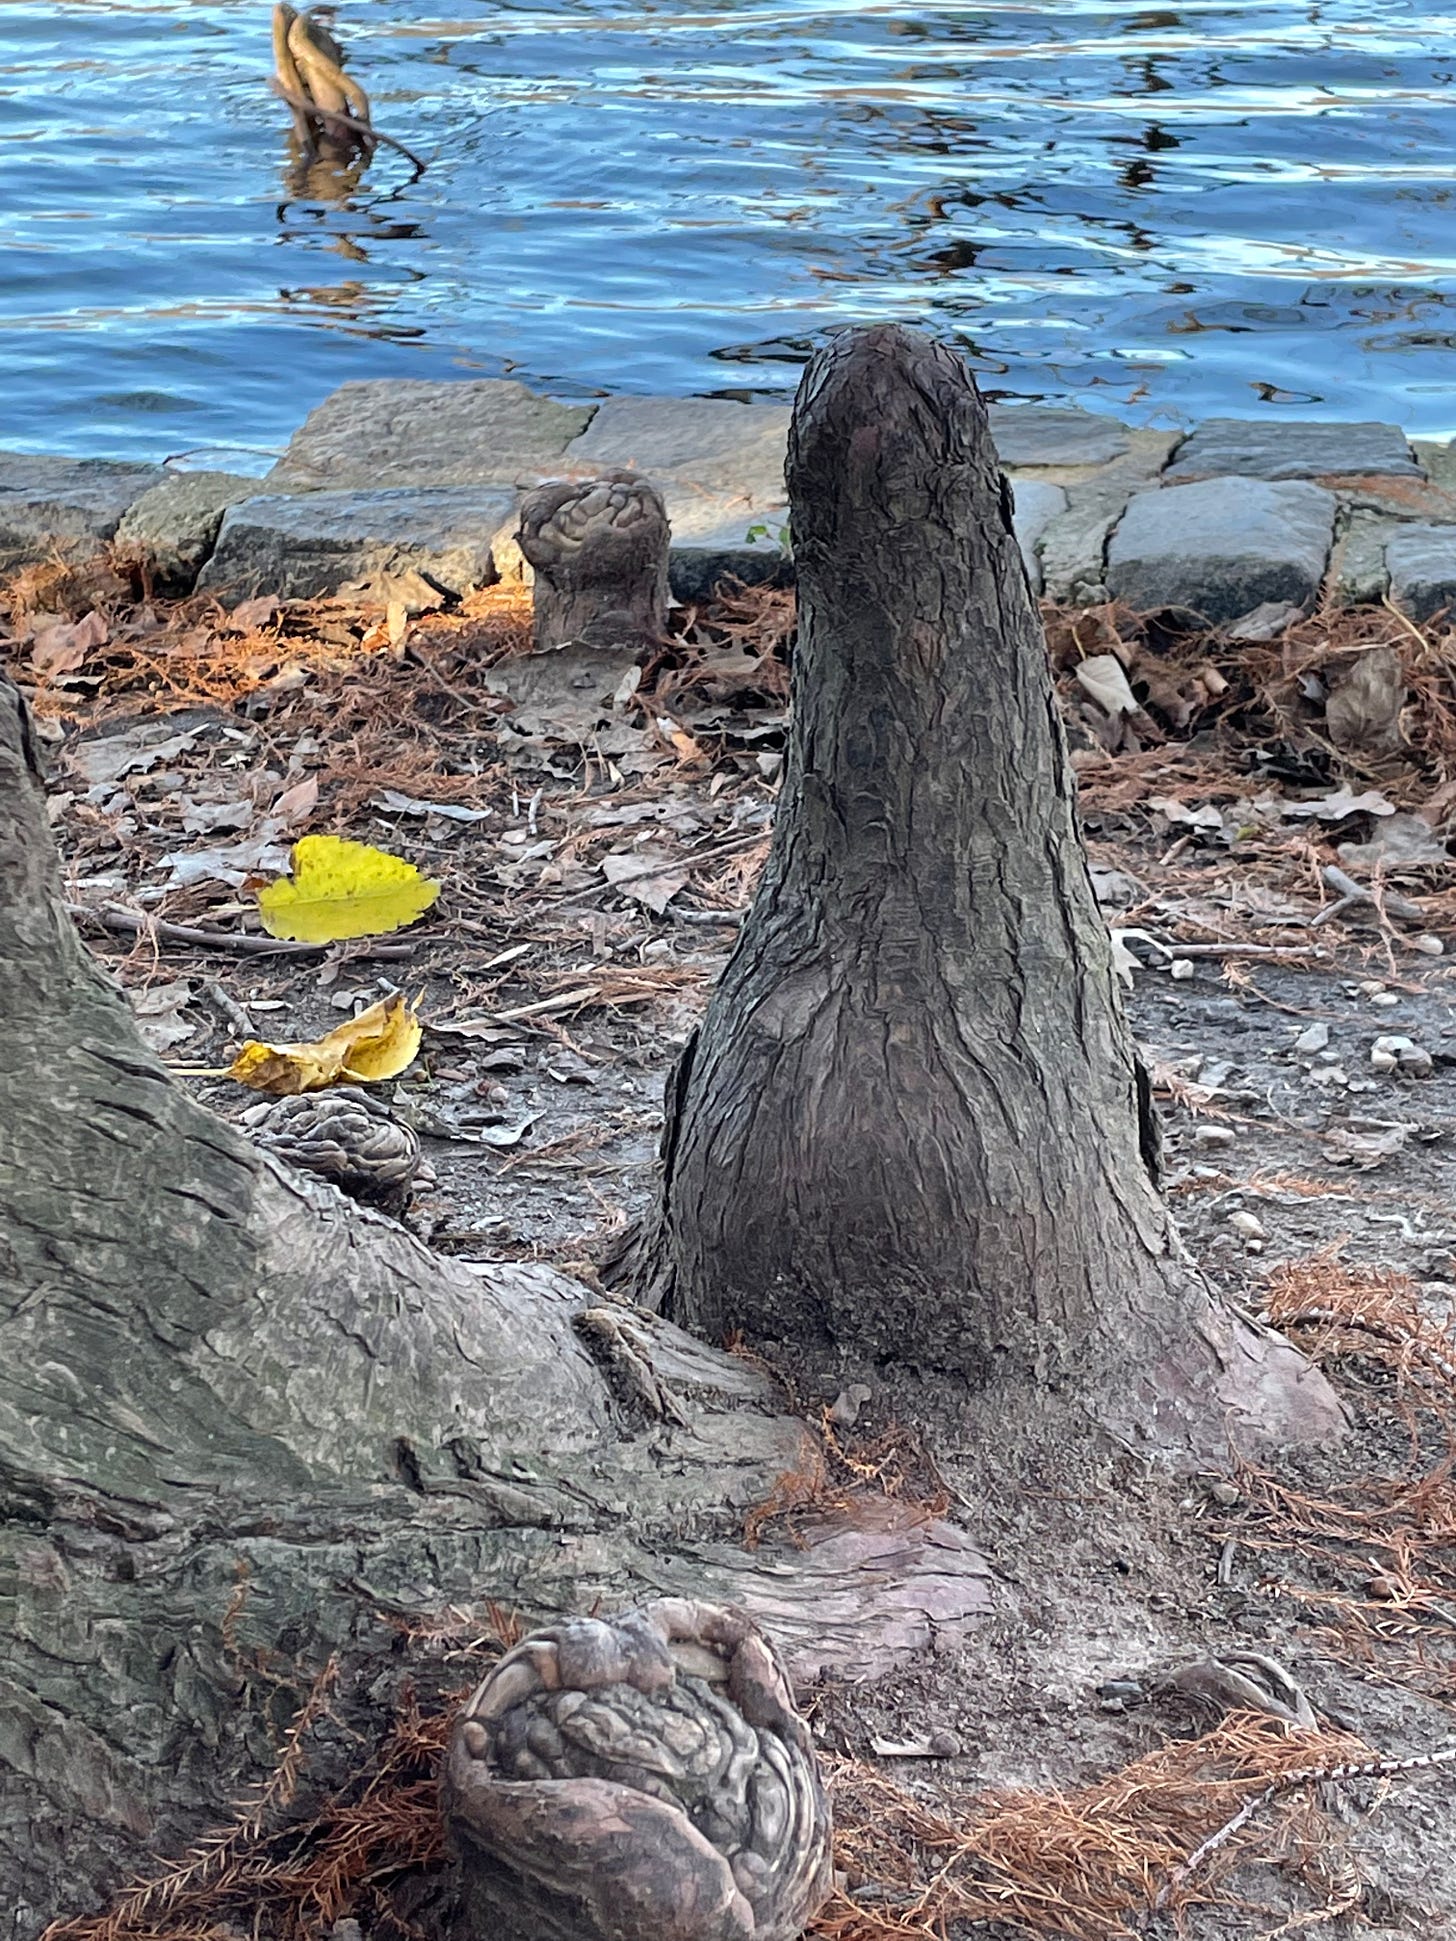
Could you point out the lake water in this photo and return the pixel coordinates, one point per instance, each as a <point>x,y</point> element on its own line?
<point>1163,212</point>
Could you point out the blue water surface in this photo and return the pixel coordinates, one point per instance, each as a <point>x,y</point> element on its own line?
<point>1163,212</point>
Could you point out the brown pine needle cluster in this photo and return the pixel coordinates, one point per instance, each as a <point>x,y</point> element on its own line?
<point>1091,1864</point>
<point>1372,1558</point>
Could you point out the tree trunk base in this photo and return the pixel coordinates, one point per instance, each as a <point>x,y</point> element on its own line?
<point>249,1429</point>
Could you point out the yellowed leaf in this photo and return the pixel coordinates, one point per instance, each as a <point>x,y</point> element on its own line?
<point>342,889</point>
<point>380,1043</point>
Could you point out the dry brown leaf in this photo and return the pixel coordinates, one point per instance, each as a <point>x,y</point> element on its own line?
<point>646,875</point>
<point>63,648</point>
<point>254,613</point>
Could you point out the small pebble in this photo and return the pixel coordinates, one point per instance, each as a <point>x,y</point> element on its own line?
<point>1404,1054</point>
<point>1248,1225</point>
<point>1223,1492</point>
<point>1313,1038</point>
<point>847,1405</point>
<point>1213,1136</point>
<point>1432,946</point>
<point>945,1745</point>
<point>1384,998</point>
<point>1181,970</point>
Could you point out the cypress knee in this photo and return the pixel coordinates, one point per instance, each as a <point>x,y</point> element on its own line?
<point>913,1122</point>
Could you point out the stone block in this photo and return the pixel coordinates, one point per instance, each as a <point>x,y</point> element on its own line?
<point>1438,457</point>
<point>1036,505</point>
<point>1420,500</point>
<point>396,432</point>
<point>1263,449</point>
<point>1422,564</point>
<point>309,544</point>
<point>1073,547</point>
<point>1031,435</point>
<point>710,542</point>
<point>173,527</point>
<point>70,506</point>
<point>1218,549</point>
<point>714,443</point>
<point>1358,573</point>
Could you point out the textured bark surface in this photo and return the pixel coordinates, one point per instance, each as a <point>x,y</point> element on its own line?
<point>912,1121</point>
<point>598,548</point>
<point>648,1775</point>
<point>246,1425</point>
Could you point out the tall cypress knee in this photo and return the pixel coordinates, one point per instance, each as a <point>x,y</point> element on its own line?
<point>912,1122</point>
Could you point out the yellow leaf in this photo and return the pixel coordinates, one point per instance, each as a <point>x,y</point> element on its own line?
<point>342,889</point>
<point>380,1043</point>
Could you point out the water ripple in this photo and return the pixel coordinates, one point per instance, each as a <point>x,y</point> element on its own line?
<point>1164,211</point>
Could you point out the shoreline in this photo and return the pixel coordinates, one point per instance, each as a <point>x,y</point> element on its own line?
<point>1233,519</point>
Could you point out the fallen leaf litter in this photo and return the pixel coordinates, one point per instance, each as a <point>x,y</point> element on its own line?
<point>591,880</point>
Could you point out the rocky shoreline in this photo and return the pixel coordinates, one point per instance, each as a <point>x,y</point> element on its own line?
<point>390,476</point>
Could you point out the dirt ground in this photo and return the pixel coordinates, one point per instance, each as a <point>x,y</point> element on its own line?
<point>1302,1041</point>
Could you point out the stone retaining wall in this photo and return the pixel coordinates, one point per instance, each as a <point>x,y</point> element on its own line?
<point>387,476</point>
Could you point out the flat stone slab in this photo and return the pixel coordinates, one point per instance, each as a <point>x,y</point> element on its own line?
<point>1422,564</point>
<point>715,443</point>
<point>70,506</point>
<point>306,545</point>
<point>1029,435</point>
<point>173,527</point>
<point>1035,506</point>
<point>395,432</point>
<point>1313,450</point>
<point>1221,548</point>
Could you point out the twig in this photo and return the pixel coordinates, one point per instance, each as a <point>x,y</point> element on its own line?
<point>725,917</point>
<point>231,1012</point>
<point>336,119</point>
<point>1243,950</point>
<point>1353,892</point>
<point>690,861</point>
<point>1290,1782</point>
<point>126,923</point>
<point>564,1001</point>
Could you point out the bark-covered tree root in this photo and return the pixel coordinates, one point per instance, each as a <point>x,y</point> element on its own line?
<point>912,1123</point>
<point>247,1428</point>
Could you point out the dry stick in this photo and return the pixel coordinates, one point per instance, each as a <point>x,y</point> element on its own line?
<point>126,923</point>
<point>1289,1782</point>
<point>227,1008</point>
<point>729,848</point>
<point>1353,892</point>
<point>1244,950</point>
<point>337,119</point>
